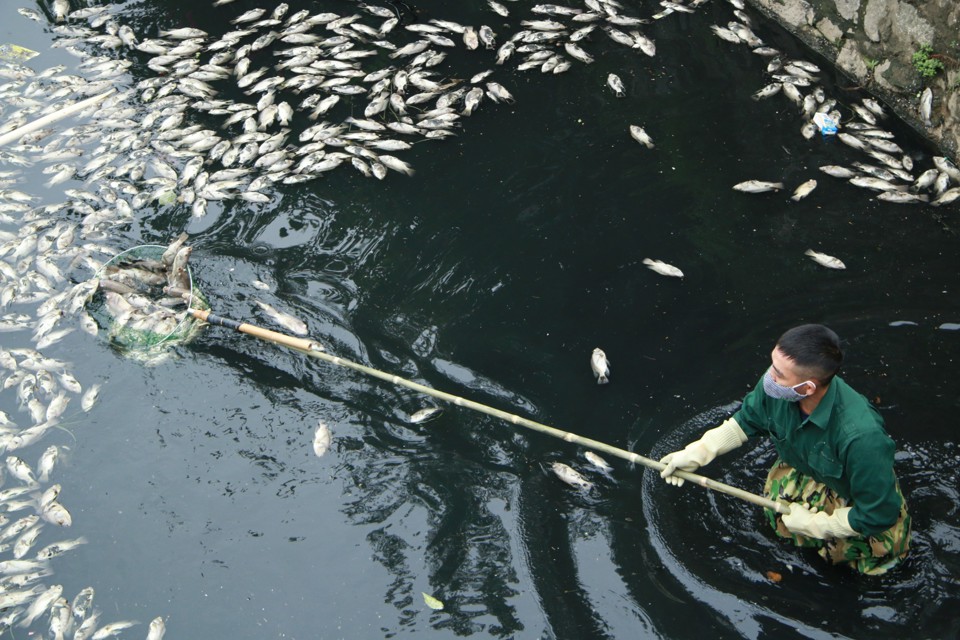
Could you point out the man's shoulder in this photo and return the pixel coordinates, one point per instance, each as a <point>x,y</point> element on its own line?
<point>855,414</point>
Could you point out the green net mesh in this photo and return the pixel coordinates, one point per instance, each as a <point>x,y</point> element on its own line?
<point>128,337</point>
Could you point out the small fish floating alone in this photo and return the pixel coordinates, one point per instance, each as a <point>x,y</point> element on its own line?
<point>600,366</point>
<point>824,259</point>
<point>804,190</point>
<point>425,414</point>
<point>757,186</point>
<point>597,461</point>
<point>663,268</point>
<point>321,439</point>
<point>157,629</point>
<point>641,136</point>
<point>615,83</point>
<point>570,476</point>
<point>285,320</point>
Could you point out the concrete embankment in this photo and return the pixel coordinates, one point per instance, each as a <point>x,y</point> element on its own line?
<point>875,42</point>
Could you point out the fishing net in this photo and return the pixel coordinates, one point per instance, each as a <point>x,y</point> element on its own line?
<point>154,329</point>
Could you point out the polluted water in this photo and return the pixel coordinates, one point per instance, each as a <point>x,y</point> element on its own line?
<point>281,97</point>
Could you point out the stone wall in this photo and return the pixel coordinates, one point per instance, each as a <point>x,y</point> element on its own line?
<point>873,41</point>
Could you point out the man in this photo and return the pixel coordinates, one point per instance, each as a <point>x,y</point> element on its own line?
<point>835,460</point>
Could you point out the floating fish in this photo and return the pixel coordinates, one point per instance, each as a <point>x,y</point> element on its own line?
<point>285,320</point>
<point>112,629</point>
<point>615,83</point>
<point>663,268</point>
<point>425,414</point>
<point>90,397</point>
<point>597,461</point>
<point>757,186</point>
<point>804,190</point>
<point>600,366</point>
<point>641,136</point>
<point>570,476</point>
<point>321,439</point>
<point>926,106</point>
<point>157,629</point>
<point>825,260</point>
<point>432,602</point>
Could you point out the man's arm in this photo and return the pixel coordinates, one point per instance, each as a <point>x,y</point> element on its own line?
<point>727,437</point>
<point>873,485</point>
<point>876,503</point>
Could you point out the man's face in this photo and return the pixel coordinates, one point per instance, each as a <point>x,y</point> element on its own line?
<point>783,370</point>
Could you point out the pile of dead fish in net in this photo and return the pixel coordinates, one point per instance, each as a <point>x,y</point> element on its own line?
<point>283,97</point>
<point>890,175</point>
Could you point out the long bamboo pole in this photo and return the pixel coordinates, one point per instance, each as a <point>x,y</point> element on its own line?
<point>315,350</point>
<point>56,116</point>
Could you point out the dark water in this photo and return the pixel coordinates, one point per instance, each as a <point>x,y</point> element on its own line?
<point>493,273</point>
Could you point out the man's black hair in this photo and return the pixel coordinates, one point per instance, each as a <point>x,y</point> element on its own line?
<point>815,349</point>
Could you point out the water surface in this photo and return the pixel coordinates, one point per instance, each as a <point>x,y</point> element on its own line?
<point>493,273</point>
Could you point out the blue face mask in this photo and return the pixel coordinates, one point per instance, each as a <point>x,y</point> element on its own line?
<point>780,392</point>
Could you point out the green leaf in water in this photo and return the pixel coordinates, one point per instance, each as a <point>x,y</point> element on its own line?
<point>432,602</point>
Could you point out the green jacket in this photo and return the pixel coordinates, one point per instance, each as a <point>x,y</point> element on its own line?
<point>841,444</point>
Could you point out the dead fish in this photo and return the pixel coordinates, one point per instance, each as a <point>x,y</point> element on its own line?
<point>947,197</point>
<point>47,461</point>
<point>321,439</point>
<point>56,513</point>
<point>41,604</point>
<point>804,190</point>
<point>663,268</point>
<point>285,320</point>
<point>425,414</point>
<point>570,476</point>
<point>112,629</point>
<point>767,91</point>
<point>902,197</point>
<point>20,470</point>
<point>600,366</point>
<point>90,397</point>
<point>577,53</point>
<point>837,171</point>
<point>597,461</point>
<point>877,184</point>
<point>157,629</point>
<point>615,83</point>
<point>498,8</point>
<point>825,260</point>
<point>926,106</point>
<point>641,136</point>
<point>59,548</point>
<point>757,186</point>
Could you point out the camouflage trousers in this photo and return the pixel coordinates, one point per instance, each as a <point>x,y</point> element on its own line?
<point>872,555</point>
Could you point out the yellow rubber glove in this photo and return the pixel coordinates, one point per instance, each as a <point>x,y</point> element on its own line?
<point>727,437</point>
<point>808,522</point>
